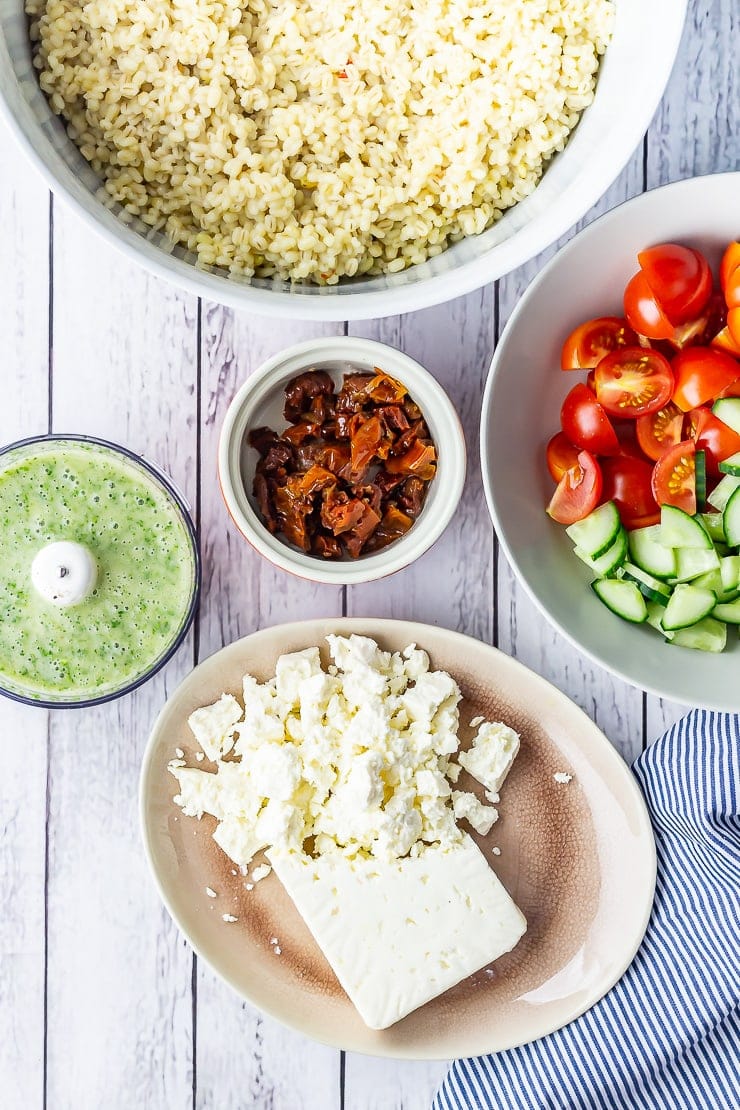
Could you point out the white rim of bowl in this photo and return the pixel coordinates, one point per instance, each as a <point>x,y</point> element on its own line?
<point>346,305</point>
<point>438,411</point>
<point>688,185</point>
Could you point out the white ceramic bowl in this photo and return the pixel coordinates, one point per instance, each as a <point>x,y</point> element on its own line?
<point>632,79</point>
<point>260,402</point>
<point>521,410</point>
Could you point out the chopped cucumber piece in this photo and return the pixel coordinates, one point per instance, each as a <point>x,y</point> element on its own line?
<point>706,635</point>
<point>596,533</point>
<point>722,492</point>
<point>678,529</point>
<point>688,605</point>
<point>647,552</point>
<point>727,409</point>
<point>700,479</point>
<point>691,562</point>
<point>731,465</point>
<point>607,563</point>
<point>622,597</point>
<point>651,588</point>
<point>711,580</point>
<point>727,611</point>
<point>713,523</point>
<point>655,613</point>
<point>731,519</point>
<point>729,568</point>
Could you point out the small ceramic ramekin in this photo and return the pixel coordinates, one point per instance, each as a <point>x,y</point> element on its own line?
<point>260,402</point>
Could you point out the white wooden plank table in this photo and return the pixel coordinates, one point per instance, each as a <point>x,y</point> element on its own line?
<point>102,1003</point>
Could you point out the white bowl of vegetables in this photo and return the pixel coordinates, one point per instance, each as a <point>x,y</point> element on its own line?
<point>610,441</point>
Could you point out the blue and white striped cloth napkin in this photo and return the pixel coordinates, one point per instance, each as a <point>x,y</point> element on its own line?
<point>667,1036</point>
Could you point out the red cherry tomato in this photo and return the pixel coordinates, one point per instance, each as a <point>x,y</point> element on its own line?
<point>733,323</point>
<point>561,456</point>
<point>723,341</point>
<point>628,482</point>
<point>578,492</point>
<point>732,289</point>
<point>586,424</point>
<point>633,381</point>
<point>643,312</point>
<point>729,264</point>
<point>627,436</point>
<point>679,278</point>
<point>590,342</point>
<point>701,373</point>
<point>712,436</point>
<point>660,430</point>
<point>674,477</point>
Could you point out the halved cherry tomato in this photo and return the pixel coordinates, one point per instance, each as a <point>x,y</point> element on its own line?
<point>724,341</point>
<point>628,482</point>
<point>586,424</point>
<point>712,436</point>
<point>578,492</point>
<point>633,381</point>
<point>701,373</point>
<point>590,342</point>
<point>732,289</point>
<point>730,262</point>
<point>679,278</point>
<point>627,437</point>
<point>660,430</point>
<point>733,323</point>
<point>561,456</point>
<point>674,477</point>
<point>643,312</point>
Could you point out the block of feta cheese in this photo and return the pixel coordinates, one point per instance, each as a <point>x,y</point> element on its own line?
<point>491,755</point>
<point>398,933</point>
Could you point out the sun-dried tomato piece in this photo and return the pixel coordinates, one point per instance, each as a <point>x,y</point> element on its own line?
<point>304,486</point>
<point>387,482</point>
<point>326,546</point>
<point>420,460</point>
<point>393,525</point>
<point>367,436</point>
<point>264,493</point>
<point>394,419</point>
<point>352,396</point>
<point>307,427</point>
<point>341,513</point>
<point>411,497</point>
<point>292,514</point>
<point>262,439</point>
<point>385,390</point>
<point>355,540</point>
<point>301,390</point>
<point>417,430</point>
<point>372,496</point>
<point>412,410</point>
<point>335,457</point>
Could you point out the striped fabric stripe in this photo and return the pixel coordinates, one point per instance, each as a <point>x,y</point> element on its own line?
<point>667,1036</point>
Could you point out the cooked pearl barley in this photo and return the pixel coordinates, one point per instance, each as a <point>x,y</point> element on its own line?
<point>320,141</point>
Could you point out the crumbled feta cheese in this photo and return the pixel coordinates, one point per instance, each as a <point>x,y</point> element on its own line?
<point>492,753</point>
<point>249,886</point>
<point>261,872</point>
<point>477,721</point>
<point>496,851</point>
<point>199,756</point>
<point>179,753</point>
<point>211,893</point>
<point>277,950</point>
<point>213,725</point>
<point>228,917</point>
<point>356,757</point>
<point>467,807</point>
<point>273,940</point>
<point>562,777</point>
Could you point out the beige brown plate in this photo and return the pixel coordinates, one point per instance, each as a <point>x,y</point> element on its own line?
<point>578,858</point>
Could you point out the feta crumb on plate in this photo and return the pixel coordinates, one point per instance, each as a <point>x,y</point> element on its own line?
<point>228,917</point>
<point>261,872</point>
<point>562,777</point>
<point>211,892</point>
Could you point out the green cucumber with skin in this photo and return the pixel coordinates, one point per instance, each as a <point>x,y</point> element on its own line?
<point>623,598</point>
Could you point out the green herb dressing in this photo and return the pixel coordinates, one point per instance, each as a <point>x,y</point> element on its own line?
<point>146,571</point>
